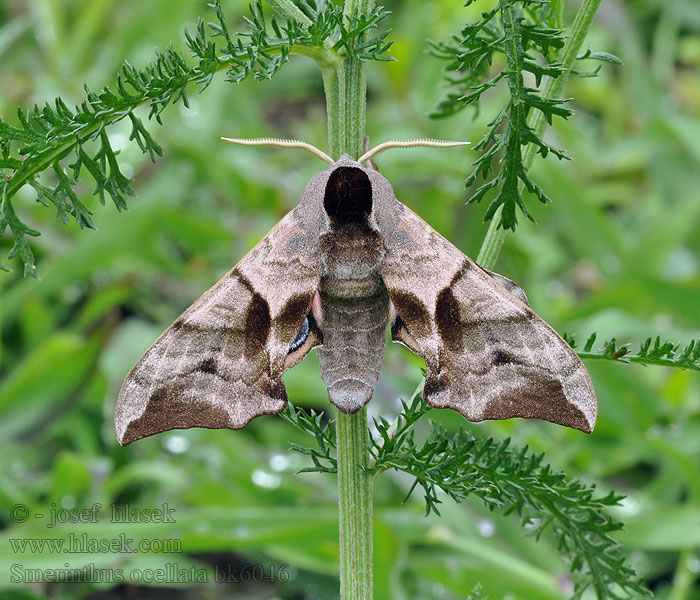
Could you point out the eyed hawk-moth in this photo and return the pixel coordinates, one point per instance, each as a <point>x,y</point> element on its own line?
<point>345,264</point>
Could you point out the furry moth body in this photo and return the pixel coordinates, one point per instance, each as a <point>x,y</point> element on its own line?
<point>349,261</point>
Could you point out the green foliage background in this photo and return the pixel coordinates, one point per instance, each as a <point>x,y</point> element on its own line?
<point>618,253</point>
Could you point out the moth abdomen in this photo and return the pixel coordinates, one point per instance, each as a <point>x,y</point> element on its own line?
<point>353,346</point>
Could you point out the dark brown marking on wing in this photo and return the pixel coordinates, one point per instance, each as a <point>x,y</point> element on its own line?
<point>433,385</point>
<point>529,314</point>
<point>245,282</point>
<point>208,365</point>
<point>274,388</point>
<point>314,328</point>
<point>177,325</point>
<point>257,321</point>
<point>451,326</point>
<point>449,320</point>
<point>292,316</point>
<point>396,327</point>
<point>413,312</point>
<point>168,408</point>
<point>503,358</point>
<point>257,324</point>
<point>400,333</point>
<point>544,399</point>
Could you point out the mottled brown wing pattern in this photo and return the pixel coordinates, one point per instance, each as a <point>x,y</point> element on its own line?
<point>487,354</point>
<point>220,364</point>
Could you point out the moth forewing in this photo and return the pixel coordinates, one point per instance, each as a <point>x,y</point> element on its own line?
<point>487,354</point>
<point>221,363</point>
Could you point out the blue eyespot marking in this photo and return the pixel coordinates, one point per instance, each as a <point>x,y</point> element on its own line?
<point>301,336</point>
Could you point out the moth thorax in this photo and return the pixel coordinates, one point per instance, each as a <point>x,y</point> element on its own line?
<point>348,197</point>
<point>351,258</point>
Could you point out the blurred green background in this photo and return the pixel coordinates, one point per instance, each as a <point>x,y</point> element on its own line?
<point>618,253</point>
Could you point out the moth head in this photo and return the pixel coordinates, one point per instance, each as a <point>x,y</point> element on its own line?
<point>347,199</point>
<point>349,196</point>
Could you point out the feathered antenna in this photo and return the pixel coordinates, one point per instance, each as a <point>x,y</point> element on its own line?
<point>282,144</point>
<point>322,155</point>
<point>409,144</point>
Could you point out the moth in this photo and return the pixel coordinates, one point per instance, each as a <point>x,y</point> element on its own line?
<point>339,269</point>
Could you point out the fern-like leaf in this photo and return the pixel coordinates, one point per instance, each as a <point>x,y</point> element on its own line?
<point>651,352</point>
<point>323,433</point>
<point>46,136</point>
<point>514,481</point>
<point>523,32</point>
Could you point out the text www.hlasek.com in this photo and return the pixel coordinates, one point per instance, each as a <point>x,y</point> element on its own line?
<point>83,544</point>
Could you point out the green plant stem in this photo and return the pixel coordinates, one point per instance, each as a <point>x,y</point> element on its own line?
<point>1,315</point>
<point>345,85</point>
<point>333,85</point>
<point>558,7</point>
<point>355,506</point>
<point>684,577</point>
<point>552,88</point>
